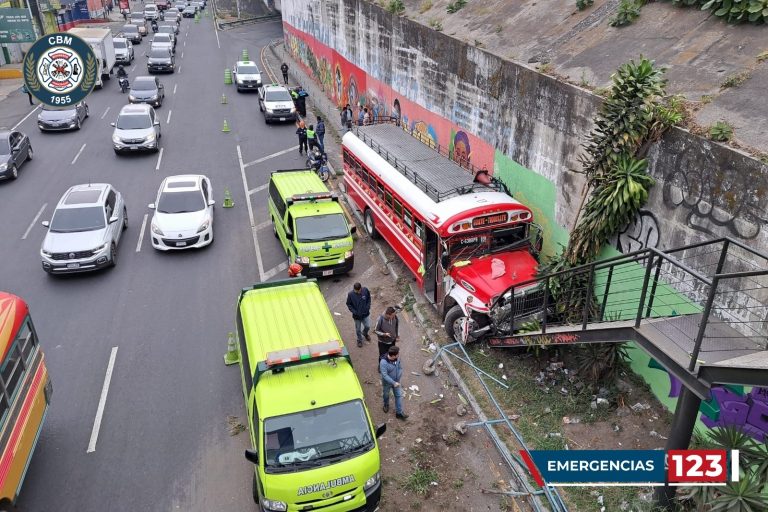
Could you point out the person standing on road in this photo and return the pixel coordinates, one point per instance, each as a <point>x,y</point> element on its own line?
<point>359,304</point>
<point>26,91</point>
<point>387,329</point>
<point>301,131</point>
<point>321,134</point>
<point>311,138</point>
<point>284,69</point>
<point>391,373</point>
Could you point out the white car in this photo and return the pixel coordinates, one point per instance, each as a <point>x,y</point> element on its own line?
<point>183,213</point>
<point>246,75</point>
<point>151,12</point>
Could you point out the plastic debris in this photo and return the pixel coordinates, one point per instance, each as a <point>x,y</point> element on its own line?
<point>514,417</point>
<point>640,407</point>
<point>570,421</point>
<point>547,410</point>
<point>501,365</point>
<point>432,347</point>
<point>504,377</point>
<point>413,388</point>
<point>337,314</point>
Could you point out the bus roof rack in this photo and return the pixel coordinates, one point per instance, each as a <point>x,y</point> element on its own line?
<point>416,161</point>
<point>277,361</point>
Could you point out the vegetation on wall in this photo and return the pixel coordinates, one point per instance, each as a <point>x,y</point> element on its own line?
<point>628,11</point>
<point>583,4</point>
<point>396,6</point>
<point>455,6</point>
<point>732,11</point>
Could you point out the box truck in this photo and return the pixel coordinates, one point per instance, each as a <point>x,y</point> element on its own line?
<point>100,40</point>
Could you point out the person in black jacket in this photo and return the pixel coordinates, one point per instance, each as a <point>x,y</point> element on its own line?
<point>284,69</point>
<point>359,304</point>
<point>301,131</point>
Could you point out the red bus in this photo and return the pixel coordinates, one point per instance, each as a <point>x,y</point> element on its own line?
<point>25,393</point>
<point>457,229</point>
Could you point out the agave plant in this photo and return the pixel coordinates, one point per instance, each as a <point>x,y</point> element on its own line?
<point>746,495</point>
<point>601,362</point>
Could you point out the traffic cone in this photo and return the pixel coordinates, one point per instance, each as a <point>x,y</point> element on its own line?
<point>197,18</point>
<point>245,55</point>
<point>228,202</point>
<point>223,99</point>
<point>227,76</point>
<point>225,128</point>
<point>233,353</point>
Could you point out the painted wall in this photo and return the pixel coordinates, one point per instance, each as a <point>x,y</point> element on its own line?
<point>526,127</point>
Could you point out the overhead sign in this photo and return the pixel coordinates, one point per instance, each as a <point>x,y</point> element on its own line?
<point>16,26</point>
<point>60,69</point>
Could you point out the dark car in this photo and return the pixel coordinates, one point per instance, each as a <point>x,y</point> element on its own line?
<point>15,149</point>
<point>160,60</point>
<point>62,118</point>
<point>131,32</point>
<point>147,89</point>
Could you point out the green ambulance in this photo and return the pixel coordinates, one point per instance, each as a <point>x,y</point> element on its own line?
<point>314,444</point>
<point>310,223</point>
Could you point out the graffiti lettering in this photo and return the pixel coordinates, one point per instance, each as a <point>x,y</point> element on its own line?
<point>640,233</point>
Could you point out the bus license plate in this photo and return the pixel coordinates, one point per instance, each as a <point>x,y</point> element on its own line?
<point>327,272</point>
<point>181,244</point>
<point>73,265</point>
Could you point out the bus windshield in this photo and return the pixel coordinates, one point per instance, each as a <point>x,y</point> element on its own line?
<point>309,439</point>
<point>462,247</point>
<point>22,362</point>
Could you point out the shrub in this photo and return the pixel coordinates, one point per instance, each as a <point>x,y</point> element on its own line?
<point>721,131</point>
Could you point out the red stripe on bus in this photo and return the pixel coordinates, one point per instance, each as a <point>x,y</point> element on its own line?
<point>10,449</point>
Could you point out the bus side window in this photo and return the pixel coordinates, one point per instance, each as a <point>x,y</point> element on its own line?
<point>418,228</point>
<point>11,371</point>
<point>398,209</point>
<point>407,218</point>
<point>25,339</point>
<point>381,191</point>
<point>388,198</point>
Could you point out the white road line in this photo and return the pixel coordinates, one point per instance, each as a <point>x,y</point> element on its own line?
<point>102,402</point>
<point>105,113</point>
<point>258,189</point>
<point>216,30</point>
<point>182,54</point>
<point>133,68</point>
<point>271,272</point>
<point>159,159</point>
<point>273,155</point>
<point>259,263</point>
<point>25,117</point>
<point>263,225</point>
<point>179,68</point>
<point>34,221</point>
<point>78,153</point>
<point>174,88</point>
<point>168,121</point>
<point>141,233</point>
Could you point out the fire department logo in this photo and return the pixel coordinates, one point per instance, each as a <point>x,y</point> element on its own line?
<point>60,69</point>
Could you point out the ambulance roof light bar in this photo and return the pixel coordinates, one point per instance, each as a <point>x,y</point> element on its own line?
<point>312,197</point>
<point>278,360</point>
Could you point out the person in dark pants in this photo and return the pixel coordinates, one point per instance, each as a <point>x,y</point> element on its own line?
<point>284,69</point>
<point>301,131</point>
<point>359,304</point>
<point>25,90</point>
<point>387,329</point>
<point>391,373</point>
<point>311,137</point>
<point>320,130</point>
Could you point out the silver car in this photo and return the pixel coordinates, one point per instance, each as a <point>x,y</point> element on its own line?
<point>85,230</point>
<point>137,129</point>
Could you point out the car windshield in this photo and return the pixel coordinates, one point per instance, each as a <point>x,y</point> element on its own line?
<point>54,113</point>
<point>277,96</point>
<point>248,70</point>
<point>166,29</point>
<point>5,148</point>
<point>133,122</point>
<point>159,53</point>
<point>150,8</point>
<point>321,227</point>
<point>130,29</point>
<point>161,38</point>
<point>317,437</point>
<point>120,44</point>
<point>69,220</point>
<point>180,202</point>
<point>137,16</point>
<point>143,85</point>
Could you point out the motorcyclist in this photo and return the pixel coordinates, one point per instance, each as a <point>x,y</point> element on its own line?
<point>121,72</point>
<point>154,25</point>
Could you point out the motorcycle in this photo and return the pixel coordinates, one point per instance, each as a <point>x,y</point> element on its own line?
<point>318,162</point>
<point>123,83</point>
<point>154,26</point>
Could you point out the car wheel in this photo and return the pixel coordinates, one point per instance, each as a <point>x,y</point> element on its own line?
<point>454,323</point>
<point>274,228</point>
<point>370,225</point>
<point>30,153</point>
<point>14,172</point>
<point>266,120</point>
<point>113,255</point>
<point>125,219</point>
<point>78,125</point>
<point>261,107</point>
<point>87,112</point>
<point>117,152</point>
<point>255,489</point>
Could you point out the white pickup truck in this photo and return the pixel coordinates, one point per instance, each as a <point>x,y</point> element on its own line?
<point>100,40</point>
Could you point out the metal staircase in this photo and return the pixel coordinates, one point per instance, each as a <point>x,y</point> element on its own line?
<point>701,310</point>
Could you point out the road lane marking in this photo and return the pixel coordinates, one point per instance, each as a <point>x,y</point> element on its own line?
<point>258,189</point>
<point>174,88</point>
<point>159,159</point>
<point>34,221</point>
<point>105,113</point>
<point>259,263</point>
<point>78,153</point>
<point>185,44</point>
<point>25,117</point>
<point>141,233</point>
<point>102,402</point>
<point>182,54</point>
<point>273,155</point>
<point>168,121</point>
<point>273,271</point>
<point>216,30</point>
<point>179,68</point>
<point>133,68</point>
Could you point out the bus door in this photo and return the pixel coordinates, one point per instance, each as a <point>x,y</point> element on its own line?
<point>431,265</point>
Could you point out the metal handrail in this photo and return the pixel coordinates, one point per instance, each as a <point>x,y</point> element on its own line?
<point>247,21</point>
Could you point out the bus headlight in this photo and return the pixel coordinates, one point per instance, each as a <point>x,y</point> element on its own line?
<point>373,481</point>
<point>272,505</point>
<point>304,260</point>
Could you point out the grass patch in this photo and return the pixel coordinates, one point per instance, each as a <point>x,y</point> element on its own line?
<point>735,80</point>
<point>547,68</point>
<point>425,6</point>
<point>420,480</point>
<point>436,24</point>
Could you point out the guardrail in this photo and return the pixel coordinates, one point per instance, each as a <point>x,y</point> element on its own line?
<point>248,21</point>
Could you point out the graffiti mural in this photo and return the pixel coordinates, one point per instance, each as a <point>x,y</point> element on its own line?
<point>641,233</point>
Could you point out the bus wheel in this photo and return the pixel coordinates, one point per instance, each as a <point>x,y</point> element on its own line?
<point>370,225</point>
<point>454,323</point>
<point>255,489</point>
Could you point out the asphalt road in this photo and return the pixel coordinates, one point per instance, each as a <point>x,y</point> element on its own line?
<point>163,443</point>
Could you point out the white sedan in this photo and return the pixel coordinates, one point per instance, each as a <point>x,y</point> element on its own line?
<point>183,213</point>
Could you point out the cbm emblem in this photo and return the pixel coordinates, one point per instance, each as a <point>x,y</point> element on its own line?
<point>60,69</point>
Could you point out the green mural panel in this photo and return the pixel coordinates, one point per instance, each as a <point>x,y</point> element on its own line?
<point>537,193</point>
